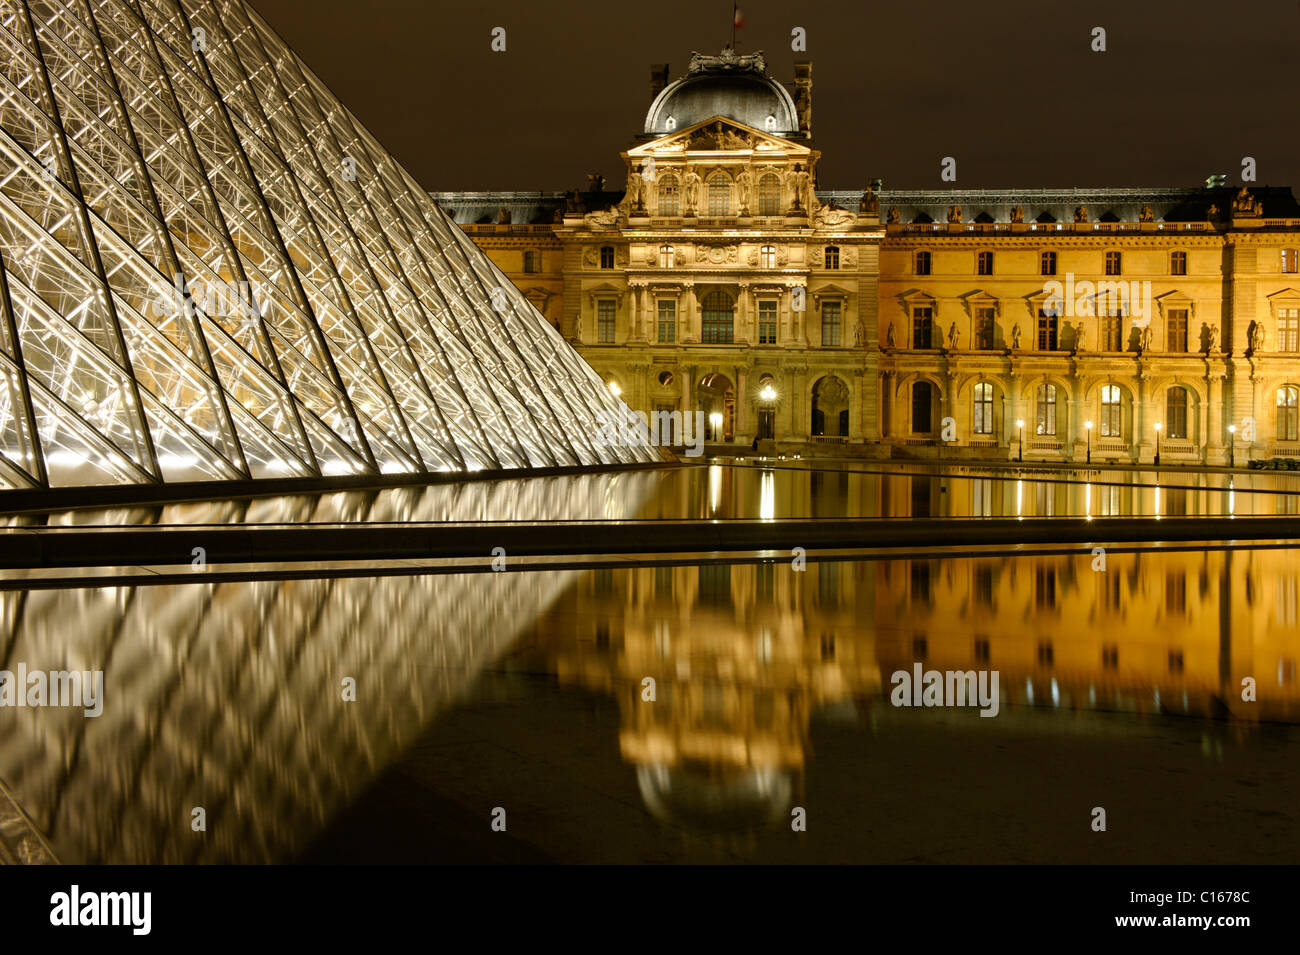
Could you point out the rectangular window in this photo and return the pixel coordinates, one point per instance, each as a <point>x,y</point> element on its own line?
<point>667,320</point>
<point>984,319</point>
<point>923,263</point>
<point>1047,263</point>
<point>605,320</point>
<point>767,257</point>
<point>1178,263</point>
<point>1176,330</point>
<point>1047,331</point>
<point>831,324</point>
<point>767,323</point>
<point>832,257</point>
<point>1288,322</point>
<point>1113,263</point>
<point>1289,260</point>
<point>922,324</point>
<point>984,263</point>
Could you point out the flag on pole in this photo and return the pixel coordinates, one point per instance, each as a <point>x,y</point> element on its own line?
<point>737,18</point>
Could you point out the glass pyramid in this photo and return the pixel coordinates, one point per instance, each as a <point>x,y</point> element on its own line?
<point>210,271</point>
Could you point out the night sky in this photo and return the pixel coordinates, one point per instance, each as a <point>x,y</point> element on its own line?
<point>1010,88</point>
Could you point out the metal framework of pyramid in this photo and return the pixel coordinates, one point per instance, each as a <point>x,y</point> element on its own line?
<point>210,271</point>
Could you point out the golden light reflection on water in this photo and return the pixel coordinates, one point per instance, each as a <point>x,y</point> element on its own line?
<point>743,657</point>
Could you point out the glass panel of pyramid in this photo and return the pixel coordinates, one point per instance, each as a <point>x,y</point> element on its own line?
<point>210,271</point>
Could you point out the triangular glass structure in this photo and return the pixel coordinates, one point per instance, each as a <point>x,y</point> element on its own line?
<point>209,270</point>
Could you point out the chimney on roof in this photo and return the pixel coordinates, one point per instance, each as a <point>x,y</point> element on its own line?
<point>658,78</point>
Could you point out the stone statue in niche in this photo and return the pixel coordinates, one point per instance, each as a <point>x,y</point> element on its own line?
<point>691,190</point>
<point>953,336</point>
<point>1256,337</point>
<point>1080,336</point>
<point>1212,340</point>
<point>1015,337</point>
<point>1144,338</point>
<point>744,190</point>
<point>889,336</point>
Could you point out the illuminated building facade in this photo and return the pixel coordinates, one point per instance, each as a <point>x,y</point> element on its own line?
<point>931,321</point>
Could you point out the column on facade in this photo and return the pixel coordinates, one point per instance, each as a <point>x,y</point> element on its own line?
<point>1075,412</point>
<point>1142,440</point>
<point>689,330</point>
<point>742,314</point>
<point>741,423</point>
<point>1212,426</point>
<point>1011,411</point>
<point>857,407</point>
<point>636,330</point>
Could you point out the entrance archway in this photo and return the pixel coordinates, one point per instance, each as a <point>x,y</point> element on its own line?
<point>716,396</point>
<point>830,407</point>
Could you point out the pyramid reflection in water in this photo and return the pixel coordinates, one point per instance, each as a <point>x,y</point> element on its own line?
<point>210,271</point>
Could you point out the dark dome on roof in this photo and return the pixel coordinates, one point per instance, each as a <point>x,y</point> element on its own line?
<point>736,87</point>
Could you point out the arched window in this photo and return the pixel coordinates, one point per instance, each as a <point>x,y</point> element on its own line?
<point>767,257</point>
<point>1045,406</point>
<point>923,263</point>
<point>1288,404</point>
<point>769,195</point>
<point>669,197</point>
<point>982,418</point>
<point>606,256</point>
<point>718,319</point>
<point>1176,412</point>
<point>719,195</point>
<point>530,261</point>
<point>666,256</point>
<point>1112,412</point>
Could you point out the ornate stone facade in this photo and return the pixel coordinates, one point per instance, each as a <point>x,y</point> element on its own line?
<point>928,332</point>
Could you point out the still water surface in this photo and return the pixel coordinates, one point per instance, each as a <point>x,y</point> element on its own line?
<point>1118,689</point>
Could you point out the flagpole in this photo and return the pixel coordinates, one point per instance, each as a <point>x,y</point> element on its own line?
<point>734,5</point>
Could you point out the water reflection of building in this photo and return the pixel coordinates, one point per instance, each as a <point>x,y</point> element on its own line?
<point>744,656</point>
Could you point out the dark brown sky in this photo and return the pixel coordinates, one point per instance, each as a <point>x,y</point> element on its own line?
<point>1010,88</point>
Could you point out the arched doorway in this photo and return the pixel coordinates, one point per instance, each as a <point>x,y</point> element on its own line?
<point>830,407</point>
<point>717,399</point>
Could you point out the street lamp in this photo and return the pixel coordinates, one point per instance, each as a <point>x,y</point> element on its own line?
<point>1157,444</point>
<point>1020,451</point>
<point>767,419</point>
<point>1088,425</point>
<point>1232,445</point>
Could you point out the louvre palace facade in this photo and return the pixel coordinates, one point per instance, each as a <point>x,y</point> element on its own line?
<point>1121,325</point>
